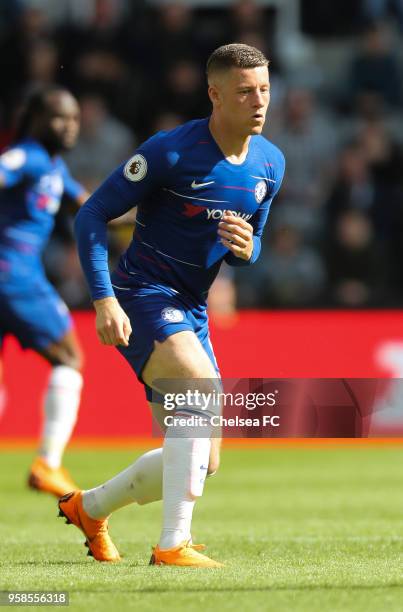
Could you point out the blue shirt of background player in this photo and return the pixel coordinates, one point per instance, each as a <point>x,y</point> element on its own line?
<point>181,183</point>
<point>33,186</point>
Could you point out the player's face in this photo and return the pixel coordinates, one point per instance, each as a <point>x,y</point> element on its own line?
<point>62,121</point>
<point>244,96</point>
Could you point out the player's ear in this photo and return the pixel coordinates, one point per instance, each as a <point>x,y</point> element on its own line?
<point>214,94</point>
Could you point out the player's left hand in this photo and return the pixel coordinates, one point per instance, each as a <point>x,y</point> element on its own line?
<point>237,235</point>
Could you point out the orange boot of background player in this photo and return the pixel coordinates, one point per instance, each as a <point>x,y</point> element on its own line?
<point>57,481</point>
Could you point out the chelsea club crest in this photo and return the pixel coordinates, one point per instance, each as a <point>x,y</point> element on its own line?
<point>260,191</point>
<point>173,315</point>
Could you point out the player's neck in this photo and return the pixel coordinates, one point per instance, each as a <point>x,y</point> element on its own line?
<point>233,146</point>
<point>50,148</point>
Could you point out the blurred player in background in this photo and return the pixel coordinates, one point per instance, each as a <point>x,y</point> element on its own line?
<point>203,192</point>
<point>33,179</point>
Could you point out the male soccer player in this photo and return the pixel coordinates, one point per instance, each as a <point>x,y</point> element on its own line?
<point>203,192</point>
<point>33,178</point>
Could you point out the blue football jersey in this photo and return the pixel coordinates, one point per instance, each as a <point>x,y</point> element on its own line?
<point>33,187</point>
<point>181,183</point>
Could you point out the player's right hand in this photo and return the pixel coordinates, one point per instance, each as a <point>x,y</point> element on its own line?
<point>112,323</point>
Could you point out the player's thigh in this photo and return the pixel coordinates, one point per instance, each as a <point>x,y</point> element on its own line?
<point>41,321</point>
<point>180,356</point>
<point>162,346</point>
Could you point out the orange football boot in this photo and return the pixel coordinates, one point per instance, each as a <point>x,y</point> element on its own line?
<point>185,555</point>
<point>98,540</point>
<point>50,480</point>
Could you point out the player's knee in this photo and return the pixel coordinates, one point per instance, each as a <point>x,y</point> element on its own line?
<point>76,361</point>
<point>74,356</point>
<point>60,354</point>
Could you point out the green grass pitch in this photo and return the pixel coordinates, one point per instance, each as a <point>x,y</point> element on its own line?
<point>299,529</point>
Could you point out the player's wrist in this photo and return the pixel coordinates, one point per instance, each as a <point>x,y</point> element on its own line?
<point>101,302</point>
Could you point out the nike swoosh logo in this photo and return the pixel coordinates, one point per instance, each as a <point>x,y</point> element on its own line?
<point>195,185</point>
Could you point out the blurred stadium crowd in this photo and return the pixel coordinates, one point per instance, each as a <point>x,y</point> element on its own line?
<point>335,230</point>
